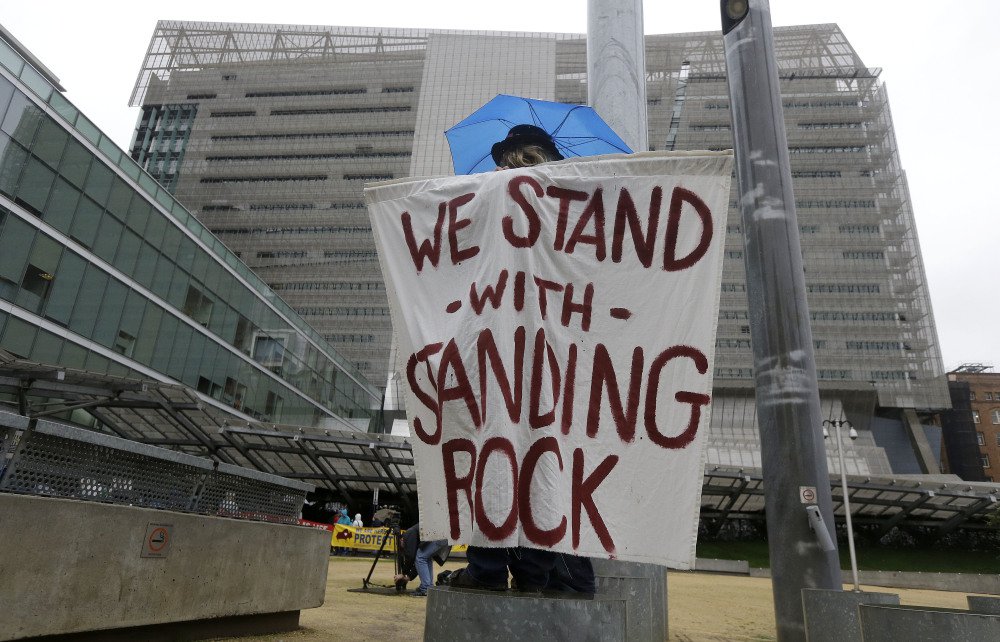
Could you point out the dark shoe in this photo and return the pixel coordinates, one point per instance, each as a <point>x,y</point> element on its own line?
<point>525,587</point>
<point>462,579</point>
<point>418,593</point>
<point>442,578</point>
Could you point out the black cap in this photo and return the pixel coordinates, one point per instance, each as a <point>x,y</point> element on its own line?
<point>521,135</point>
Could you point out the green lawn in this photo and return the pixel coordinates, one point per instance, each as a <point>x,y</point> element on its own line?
<point>928,560</point>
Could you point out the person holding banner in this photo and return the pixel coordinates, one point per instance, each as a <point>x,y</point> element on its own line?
<point>525,146</point>
<point>344,520</point>
<point>558,324</point>
<point>532,569</point>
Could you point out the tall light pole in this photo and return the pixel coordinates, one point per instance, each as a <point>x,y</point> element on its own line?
<point>796,482</point>
<point>616,68</point>
<point>853,434</point>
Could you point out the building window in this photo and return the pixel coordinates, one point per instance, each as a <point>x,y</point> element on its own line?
<point>209,387</point>
<point>997,438</point>
<point>989,396</point>
<point>995,416</point>
<point>124,344</point>
<point>972,396</point>
<point>269,351</point>
<point>980,439</point>
<point>36,282</point>
<point>234,393</point>
<point>986,461</point>
<point>198,306</point>
<point>273,405</point>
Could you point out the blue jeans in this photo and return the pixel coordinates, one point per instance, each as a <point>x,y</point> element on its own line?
<point>424,562</point>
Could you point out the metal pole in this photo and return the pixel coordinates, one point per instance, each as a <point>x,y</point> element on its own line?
<point>788,411</point>
<point>847,501</point>
<point>616,68</point>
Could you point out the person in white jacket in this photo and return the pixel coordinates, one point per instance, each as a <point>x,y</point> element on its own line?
<point>357,523</point>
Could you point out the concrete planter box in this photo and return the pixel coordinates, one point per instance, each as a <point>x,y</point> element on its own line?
<point>493,616</point>
<point>69,566</point>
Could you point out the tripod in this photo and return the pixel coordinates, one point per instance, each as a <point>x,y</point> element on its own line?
<point>393,532</point>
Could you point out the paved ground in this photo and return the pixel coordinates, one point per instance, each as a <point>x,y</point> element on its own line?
<point>703,607</point>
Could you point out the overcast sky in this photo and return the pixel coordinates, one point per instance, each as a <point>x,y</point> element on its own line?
<point>939,61</point>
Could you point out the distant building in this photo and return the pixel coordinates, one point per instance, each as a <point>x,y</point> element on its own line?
<point>972,428</point>
<point>268,133</point>
<point>102,270</point>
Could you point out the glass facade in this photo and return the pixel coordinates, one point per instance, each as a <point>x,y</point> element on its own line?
<point>100,269</point>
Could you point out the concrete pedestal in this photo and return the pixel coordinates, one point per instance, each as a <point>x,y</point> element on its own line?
<point>923,624</point>
<point>832,616</point>
<point>491,616</point>
<point>644,589</point>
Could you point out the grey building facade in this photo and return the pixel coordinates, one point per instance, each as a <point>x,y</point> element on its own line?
<point>267,133</point>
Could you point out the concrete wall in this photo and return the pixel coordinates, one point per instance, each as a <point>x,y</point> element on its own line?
<point>960,582</point>
<point>736,567</point>
<point>68,566</point>
<point>462,71</point>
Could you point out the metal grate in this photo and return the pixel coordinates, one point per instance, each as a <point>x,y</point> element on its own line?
<point>230,494</point>
<point>55,460</point>
<point>59,467</point>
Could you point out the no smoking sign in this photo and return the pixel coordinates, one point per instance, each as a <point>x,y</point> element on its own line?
<point>807,494</point>
<point>157,540</point>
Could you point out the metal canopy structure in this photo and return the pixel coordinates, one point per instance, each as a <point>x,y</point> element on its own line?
<point>353,464</point>
<point>884,501</point>
<point>175,417</point>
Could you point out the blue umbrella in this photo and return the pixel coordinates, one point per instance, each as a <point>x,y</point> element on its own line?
<point>576,129</point>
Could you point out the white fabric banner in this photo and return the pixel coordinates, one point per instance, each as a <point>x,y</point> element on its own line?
<point>556,327</point>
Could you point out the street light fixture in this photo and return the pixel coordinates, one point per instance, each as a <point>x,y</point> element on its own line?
<point>853,434</point>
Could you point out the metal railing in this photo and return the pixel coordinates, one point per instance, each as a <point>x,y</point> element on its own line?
<point>39,457</point>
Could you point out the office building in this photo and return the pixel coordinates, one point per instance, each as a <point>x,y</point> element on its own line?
<point>267,133</point>
<point>972,427</point>
<point>102,270</point>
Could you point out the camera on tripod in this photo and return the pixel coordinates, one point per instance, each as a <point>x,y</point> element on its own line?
<point>388,516</point>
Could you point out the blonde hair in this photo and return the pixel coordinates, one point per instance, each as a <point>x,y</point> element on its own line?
<point>526,156</point>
